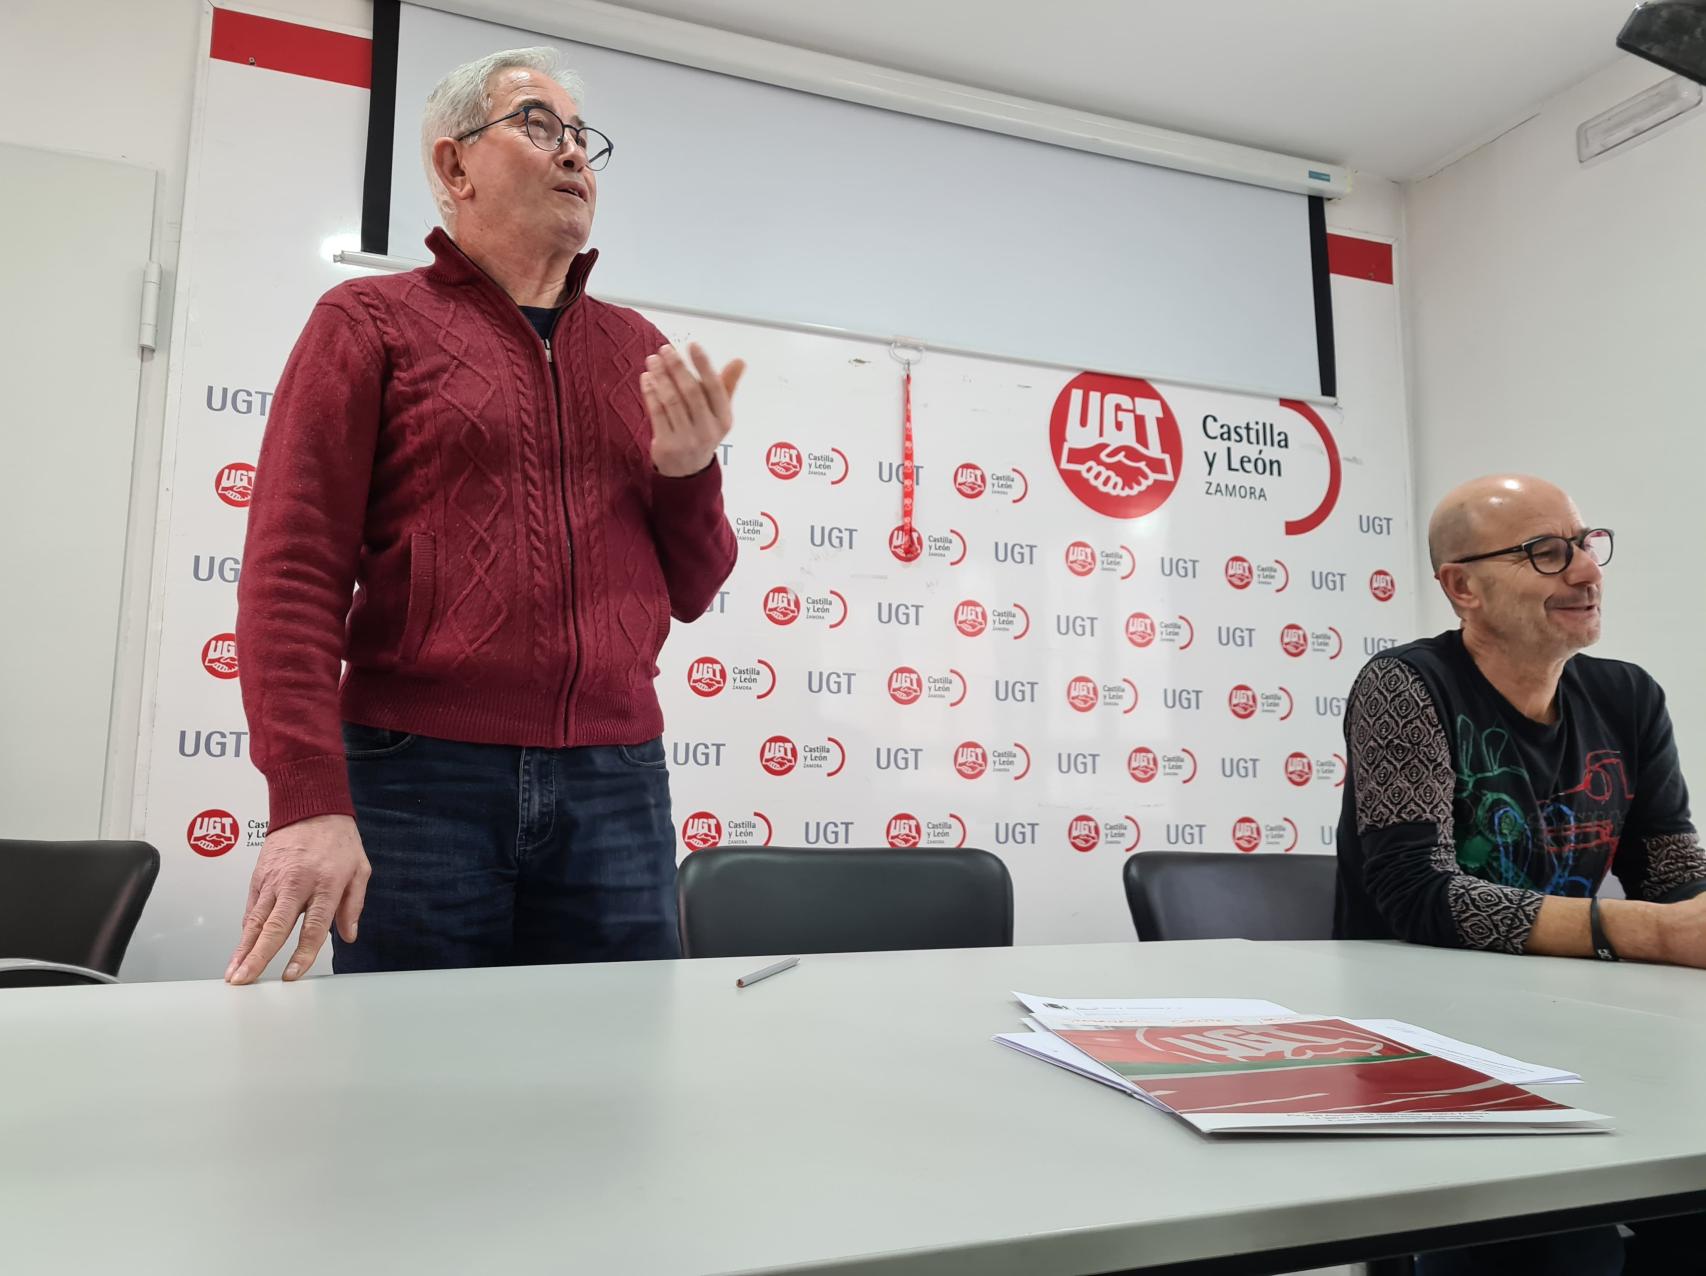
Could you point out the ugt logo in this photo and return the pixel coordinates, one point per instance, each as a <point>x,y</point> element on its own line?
<point>1115,444</point>
<point>782,606</point>
<point>784,461</point>
<point>212,833</point>
<point>971,760</point>
<point>1083,833</point>
<point>235,484</point>
<point>904,831</point>
<point>219,656</point>
<point>778,755</point>
<point>707,676</point>
<point>701,830</point>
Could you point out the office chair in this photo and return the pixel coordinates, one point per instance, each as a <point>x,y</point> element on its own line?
<point>1227,895</point>
<point>68,909</point>
<point>739,901</point>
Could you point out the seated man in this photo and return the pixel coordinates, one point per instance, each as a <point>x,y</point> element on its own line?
<point>1497,776</point>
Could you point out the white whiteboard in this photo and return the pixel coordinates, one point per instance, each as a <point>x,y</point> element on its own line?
<point>742,198</point>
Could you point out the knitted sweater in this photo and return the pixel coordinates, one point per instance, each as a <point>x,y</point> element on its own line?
<point>490,501</point>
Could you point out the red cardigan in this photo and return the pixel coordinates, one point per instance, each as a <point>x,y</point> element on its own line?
<point>515,559</point>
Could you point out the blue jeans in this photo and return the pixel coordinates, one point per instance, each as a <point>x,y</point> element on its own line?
<point>488,855</point>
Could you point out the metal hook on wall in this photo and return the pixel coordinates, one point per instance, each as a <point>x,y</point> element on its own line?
<point>905,351</point>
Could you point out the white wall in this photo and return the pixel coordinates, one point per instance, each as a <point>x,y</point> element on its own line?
<point>1556,328</point>
<point>1375,207</point>
<point>138,60</point>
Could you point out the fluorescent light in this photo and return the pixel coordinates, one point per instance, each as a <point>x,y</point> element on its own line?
<point>1636,119</point>
<point>344,240</point>
<point>375,261</point>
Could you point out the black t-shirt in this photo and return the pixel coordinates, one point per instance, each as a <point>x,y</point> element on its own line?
<point>543,319</point>
<point>1460,813</point>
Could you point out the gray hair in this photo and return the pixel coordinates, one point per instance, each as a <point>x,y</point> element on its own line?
<point>461,100</point>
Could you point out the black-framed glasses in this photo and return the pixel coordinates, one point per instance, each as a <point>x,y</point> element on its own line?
<point>546,130</point>
<point>1550,555</point>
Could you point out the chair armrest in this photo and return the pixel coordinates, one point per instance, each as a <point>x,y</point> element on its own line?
<point>11,964</point>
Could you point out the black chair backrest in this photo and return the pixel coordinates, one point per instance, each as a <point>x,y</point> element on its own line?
<point>1228,895</point>
<point>739,901</point>
<point>73,902</point>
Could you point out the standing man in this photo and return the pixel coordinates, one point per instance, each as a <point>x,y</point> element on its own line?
<point>1497,776</point>
<point>519,484</point>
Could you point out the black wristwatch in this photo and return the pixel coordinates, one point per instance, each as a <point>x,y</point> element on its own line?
<point>1602,948</point>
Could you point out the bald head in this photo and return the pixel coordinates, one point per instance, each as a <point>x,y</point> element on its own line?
<point>1500,509</point>
<point>1529,610</point>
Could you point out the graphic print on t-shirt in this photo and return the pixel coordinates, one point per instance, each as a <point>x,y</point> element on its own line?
<point>1560,845</point>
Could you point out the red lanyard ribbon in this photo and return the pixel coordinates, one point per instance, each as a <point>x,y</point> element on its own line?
<point>904,541</point>
<point>908,474</point>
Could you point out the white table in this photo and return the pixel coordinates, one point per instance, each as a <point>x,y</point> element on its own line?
<point>848,1116</point>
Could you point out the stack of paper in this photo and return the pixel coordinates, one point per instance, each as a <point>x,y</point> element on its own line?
<point>1231,1066</point>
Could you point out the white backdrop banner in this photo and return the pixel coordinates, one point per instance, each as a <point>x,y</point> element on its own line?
<point>1127,621</point>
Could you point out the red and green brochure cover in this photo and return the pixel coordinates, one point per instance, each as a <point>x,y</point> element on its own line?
<point>1310,1075</point>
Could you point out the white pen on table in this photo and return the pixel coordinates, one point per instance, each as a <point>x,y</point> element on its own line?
<point>746,981</point>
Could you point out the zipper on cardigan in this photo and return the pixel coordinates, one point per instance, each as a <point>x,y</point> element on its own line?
<point>572,626</point>
<point>556,398</point>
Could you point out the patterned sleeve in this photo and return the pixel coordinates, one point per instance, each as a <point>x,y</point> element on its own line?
<point>1401,767</point>
<point>1659,857</point>
<point>1676,869</point>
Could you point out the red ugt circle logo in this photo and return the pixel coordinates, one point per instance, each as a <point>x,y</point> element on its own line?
<point>777,755</point>
<point>971,618</point>
<point>905,685</point>
<point>212,833</point>
<point>1299,769</point>
<point>235,483</point>
<point>904,831</point>
<point>1115,444</point>
<point>1082,694</point>
<point>784,461</point>
<point>971,760</point>
<point>906,543</point>
<point>219,656</point>
<point>782,606</point>
<point>707,676</point>
<point>1242,701</point>
<point>701,830</point>
<point>1246,835</point>
<point>1083,833</point>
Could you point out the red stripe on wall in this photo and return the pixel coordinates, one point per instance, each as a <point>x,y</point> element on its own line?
<point>292,48</point>
<point>1359,258</point>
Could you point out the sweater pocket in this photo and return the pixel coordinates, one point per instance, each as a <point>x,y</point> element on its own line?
<point>423,586</point>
